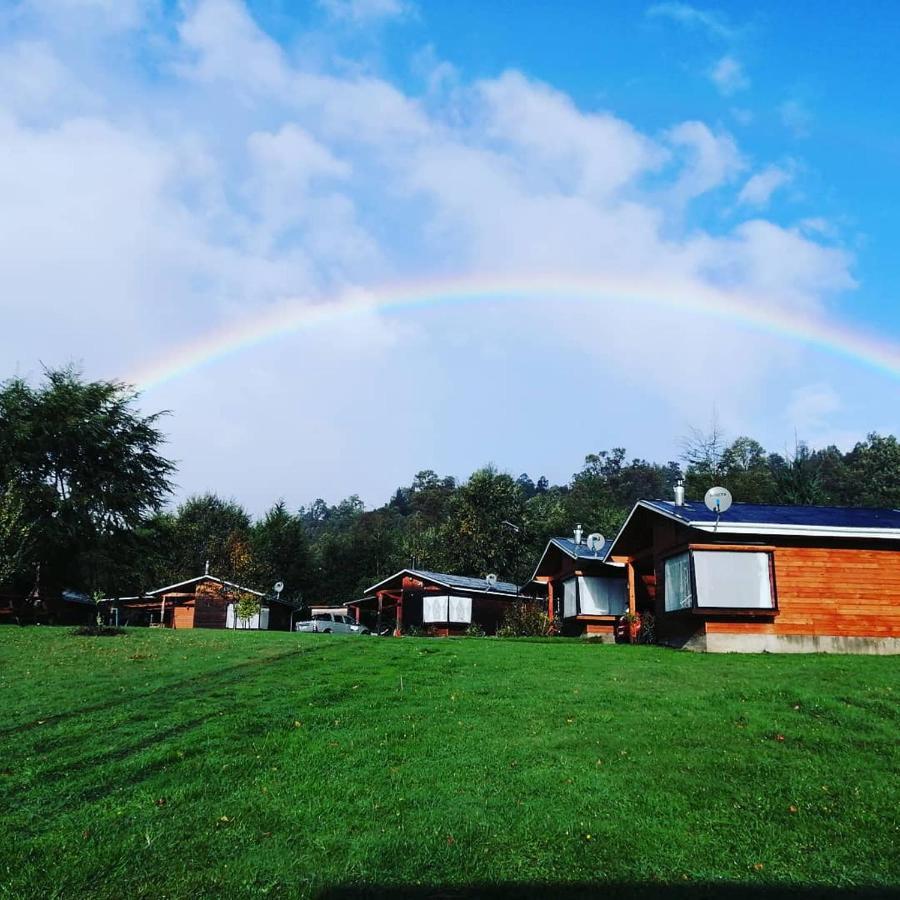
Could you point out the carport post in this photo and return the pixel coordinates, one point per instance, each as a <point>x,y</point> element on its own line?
<point>398,629</point>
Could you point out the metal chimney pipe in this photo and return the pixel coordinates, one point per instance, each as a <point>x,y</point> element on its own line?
<point>578,534</point>
<point>679,493</point>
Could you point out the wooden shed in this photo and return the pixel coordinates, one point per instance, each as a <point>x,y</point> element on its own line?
<point>440,603</point>
<point>586,593</point>
<point>765,578</point>
<point>202,602</point>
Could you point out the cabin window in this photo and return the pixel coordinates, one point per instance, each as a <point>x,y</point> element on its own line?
<point>732,580</point>
<point>444,609</point>
<point>570,605</point>
<point>678,592</point>
<point>601,596</point>
<point>461,609</point>
<point>434,609</point>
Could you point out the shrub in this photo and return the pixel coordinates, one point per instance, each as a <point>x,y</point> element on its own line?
<point>98,631</point>
<point>524,620</point>
<point>473,629</point>
<point>647,634</point>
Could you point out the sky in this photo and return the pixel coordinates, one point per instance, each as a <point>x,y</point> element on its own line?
<point>346,240</point>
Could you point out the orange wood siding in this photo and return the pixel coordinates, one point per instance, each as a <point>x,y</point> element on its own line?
<point>831,591</point>
<point>184,617</point>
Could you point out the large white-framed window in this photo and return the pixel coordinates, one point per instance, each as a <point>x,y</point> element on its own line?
<point>601,596</point>
<point>444,608</point>
<point>570,598</point>
<point>678,588</point>
<point>733,579</point>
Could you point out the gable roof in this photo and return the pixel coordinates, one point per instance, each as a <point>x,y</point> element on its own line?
<point>230,584</point>
<point>463,582</point>
<point>575,551</point>
<point>764,519</point>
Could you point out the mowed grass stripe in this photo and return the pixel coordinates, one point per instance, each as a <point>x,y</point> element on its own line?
<point>210,764</point>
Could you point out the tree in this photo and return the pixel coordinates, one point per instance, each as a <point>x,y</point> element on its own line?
<point>873,467</point>
<point>209,529</point>
<point>281,552</point>
<point>85,467</point>
<point>745,470</point>
<point>475,541</point>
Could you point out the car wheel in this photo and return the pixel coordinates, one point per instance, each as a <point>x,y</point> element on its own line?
<point>326,631</point>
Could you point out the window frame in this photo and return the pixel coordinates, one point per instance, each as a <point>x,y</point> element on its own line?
<point>695,608</point>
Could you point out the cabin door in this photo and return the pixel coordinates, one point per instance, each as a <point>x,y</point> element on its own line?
<point>184,617</point>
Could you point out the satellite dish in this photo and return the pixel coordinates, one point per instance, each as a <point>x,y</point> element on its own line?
<point>595,542</point>
<point>279,587</point>
<point>718,500</point>
<point>491,580</point>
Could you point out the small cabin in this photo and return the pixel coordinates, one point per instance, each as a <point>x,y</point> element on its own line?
<point>46,606</point>
<point>586,593</point>
<point>202,602</point>
<point>765,578</point>
<point>436,602</point>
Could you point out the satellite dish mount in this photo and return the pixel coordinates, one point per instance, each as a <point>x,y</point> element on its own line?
<point>595,542</point>
<point>718,500</point>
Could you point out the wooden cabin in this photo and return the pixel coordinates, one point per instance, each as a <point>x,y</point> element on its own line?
<point>46,607</point>
<point>202,602</point>
<point>765,578</point>
<point>436,602</point>
<point>586,593</point>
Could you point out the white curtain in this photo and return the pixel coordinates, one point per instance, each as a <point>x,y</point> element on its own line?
<point>601,596</point>
<point>460,609</point>
<point>434,609</point>
<point>569,606</point>
<point>733,579</point>
<point>678,582</point>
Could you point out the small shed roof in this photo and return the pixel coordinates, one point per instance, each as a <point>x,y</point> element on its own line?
<point>765,519</point>
<point>443,579</point>
<point>573,551</point>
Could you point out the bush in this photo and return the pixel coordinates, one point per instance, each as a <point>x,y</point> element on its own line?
<point>473,629</point>
<point>98,631</point>
<point>524,620</point>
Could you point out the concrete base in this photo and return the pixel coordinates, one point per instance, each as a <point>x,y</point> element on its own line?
<point>789,643</point>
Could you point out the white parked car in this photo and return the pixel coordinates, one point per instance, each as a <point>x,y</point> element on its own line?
<point>331,623</point>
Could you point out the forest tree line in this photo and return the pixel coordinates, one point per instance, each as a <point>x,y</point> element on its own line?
<point>85,493</point>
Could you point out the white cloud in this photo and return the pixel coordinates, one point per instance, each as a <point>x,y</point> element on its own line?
<point>728,76</point>
<point>242,176</point>
<point>796,118</point>
<point>758,189</point>
<point>711,22</point>
<point>712,160</point>
<point>812,407</point>
<point>362,12</point>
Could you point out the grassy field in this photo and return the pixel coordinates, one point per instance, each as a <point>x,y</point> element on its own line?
<point>220,764</point>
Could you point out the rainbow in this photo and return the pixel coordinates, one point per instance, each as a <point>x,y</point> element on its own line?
<point>743,310</point>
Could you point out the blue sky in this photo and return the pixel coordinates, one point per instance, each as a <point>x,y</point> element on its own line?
<point>169,169</point>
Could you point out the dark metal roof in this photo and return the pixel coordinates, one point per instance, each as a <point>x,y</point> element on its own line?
<point>581,551</point>
<point>800,516</point>
<point>463,582</point>
<point>77,597</point>
<point>471,584</point>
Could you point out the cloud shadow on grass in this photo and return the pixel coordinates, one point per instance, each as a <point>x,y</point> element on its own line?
<point>613,890</point>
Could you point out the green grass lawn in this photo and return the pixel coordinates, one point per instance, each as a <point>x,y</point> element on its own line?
<point>222,764</point>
